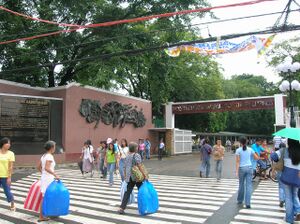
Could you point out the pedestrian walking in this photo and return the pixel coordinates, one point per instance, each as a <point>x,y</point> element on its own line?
<point>116,145</point>
<point>102,154</point>
<point>228,145</point>
<point>291,179</point>
<point>205,152</point>
<point>123,154</point>
<point>147,148</point>
<point>87,158</point>
<point>277,140</point>
<point>46,166</point>
<point>218,155</point>
<point>161,148</point>
<point>141,148</point>
<point>111,162</point>
<point>133,159</point>
<point>7,159</point>
<point>244,172</point>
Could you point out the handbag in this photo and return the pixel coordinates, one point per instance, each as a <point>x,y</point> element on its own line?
<point>278,166</point>
<point>34,197</point>
<point>137,172</point>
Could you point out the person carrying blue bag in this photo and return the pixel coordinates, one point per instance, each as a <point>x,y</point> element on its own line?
<point>132,159</point>
<point>46,166</point>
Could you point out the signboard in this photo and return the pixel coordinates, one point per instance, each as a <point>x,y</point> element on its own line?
<point>225,105</point>
<point>27,122</point>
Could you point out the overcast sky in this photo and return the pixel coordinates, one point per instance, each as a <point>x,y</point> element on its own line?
<point>247,62</point>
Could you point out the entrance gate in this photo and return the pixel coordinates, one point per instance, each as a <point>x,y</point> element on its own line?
<point>277,102</point>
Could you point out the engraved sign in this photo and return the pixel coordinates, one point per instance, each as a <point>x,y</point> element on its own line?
<point>27,122</point>
<point>221,106</point>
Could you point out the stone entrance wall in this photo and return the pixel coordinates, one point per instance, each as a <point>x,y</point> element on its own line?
<point>75,128</point>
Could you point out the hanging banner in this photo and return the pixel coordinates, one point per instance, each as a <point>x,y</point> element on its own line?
<point>223,47</point>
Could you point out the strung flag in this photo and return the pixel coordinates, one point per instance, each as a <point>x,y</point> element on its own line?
<point>223,47</point>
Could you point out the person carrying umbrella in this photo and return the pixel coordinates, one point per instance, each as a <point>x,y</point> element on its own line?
<point>291,172</point>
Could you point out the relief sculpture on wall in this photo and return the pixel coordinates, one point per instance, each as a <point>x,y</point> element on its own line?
<point>112,113</point>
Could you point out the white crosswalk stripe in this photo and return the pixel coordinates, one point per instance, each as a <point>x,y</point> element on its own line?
<point>264,206</point>
<point>181,199</point>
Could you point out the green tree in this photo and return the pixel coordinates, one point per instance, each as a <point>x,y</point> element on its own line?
<point>258,121</point>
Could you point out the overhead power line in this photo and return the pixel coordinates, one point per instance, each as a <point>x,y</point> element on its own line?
<point>140,34</point>
<point>155,48</point>
<point>112,23</point>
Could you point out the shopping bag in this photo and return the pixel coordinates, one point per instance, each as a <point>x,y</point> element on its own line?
<point>147,199</point>
<point>56,200</point>
<point>34,197</point>
<point>122,192</point>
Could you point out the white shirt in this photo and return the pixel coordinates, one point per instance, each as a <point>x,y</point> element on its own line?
<point>46,177</point>
<point>124,152</point>
<point>87,153</point>
<point>161,145</point>
<point>277,140</point>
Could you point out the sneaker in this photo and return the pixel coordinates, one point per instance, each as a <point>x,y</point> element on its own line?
<point>248,206</point>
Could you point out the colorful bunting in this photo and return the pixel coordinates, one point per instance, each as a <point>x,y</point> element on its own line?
<point>223,47</point>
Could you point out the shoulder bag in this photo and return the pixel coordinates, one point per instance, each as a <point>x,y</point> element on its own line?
<point>278,166</point>
<point>138,173</point>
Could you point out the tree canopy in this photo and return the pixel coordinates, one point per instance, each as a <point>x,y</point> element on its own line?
<point>58,60</point>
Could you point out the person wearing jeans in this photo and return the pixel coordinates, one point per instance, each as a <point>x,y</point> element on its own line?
<point>206,151</point>
<point>280,189</point>
<point>290,179</point>
<point>218,154</point>
<point>123,153</point>
<point>111,162</point>
<point>148,148</point>
<point>244,172</point>
<point>7,158</point>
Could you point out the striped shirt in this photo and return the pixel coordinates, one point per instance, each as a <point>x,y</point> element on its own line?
<point>277,140</point>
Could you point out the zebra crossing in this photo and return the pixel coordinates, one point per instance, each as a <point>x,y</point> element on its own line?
<point>264,206</point>
<point>182,200</point>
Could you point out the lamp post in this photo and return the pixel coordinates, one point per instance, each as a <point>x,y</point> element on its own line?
<point>289,69</point>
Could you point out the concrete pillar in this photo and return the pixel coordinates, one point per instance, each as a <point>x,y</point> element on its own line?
<point>169,116</point>
<point>279,111</point>
<point>170,141</point>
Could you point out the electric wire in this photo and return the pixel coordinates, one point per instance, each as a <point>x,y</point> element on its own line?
<point>133,20</point>
<point>139,34</point>
<point>155,48</point>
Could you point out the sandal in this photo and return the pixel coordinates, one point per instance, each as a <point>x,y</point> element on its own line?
<point>13,209</point>
<point>43,220</point>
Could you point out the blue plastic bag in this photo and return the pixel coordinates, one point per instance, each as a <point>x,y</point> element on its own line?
<point>122,192</point>
<point>56,200</point>
<point>147,199</point>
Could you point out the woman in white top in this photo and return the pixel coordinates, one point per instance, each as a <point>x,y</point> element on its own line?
<point>46,167</point>
<point>123,153</point>
<point>87,158</point>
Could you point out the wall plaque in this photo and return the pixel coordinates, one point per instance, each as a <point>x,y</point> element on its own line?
<point>27,122</point>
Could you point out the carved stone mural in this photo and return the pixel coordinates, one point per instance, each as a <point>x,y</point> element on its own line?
<point>112,113</point>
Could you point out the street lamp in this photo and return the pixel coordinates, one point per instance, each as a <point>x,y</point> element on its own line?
<point>289,68</point>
